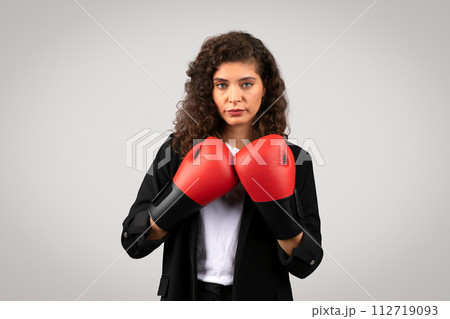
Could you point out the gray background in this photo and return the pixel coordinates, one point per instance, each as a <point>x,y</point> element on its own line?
<point>376,104</point>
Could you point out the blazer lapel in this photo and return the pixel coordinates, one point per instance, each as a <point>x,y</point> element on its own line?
<point>193,242</point>
<point>247,215</point>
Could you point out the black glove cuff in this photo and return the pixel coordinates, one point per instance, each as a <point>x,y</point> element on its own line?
<point>279,216</point>
<point>171,206</point>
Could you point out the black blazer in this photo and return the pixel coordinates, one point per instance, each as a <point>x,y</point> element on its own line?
<point>261,267</point>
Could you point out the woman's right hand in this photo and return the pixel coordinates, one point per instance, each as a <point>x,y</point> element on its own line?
<point>156,232</point>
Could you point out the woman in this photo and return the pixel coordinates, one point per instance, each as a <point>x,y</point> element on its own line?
<point>238,221</point>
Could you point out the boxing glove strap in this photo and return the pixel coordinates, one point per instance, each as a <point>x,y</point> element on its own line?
<point>279,217</point>
<point>171,206</point>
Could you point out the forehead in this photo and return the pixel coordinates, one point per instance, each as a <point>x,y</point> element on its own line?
<point>235,70</point>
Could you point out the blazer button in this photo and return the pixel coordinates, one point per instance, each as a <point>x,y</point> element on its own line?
<point>312,262</point>
<point>125,234</point>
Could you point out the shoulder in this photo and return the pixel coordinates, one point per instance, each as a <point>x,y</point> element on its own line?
<point>163,145</point>
<point>163,149</point>
<point>300,154</point>
<point>166,143</point>
<point>165,159</point>
<point>304,171</point>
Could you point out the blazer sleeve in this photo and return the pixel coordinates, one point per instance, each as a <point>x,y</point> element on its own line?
<point>136,226</point>
<point>306,257</point>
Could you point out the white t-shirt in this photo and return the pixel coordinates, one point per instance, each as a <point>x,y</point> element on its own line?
<point>218,235</point>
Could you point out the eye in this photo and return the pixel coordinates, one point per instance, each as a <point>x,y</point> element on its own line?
<point>247,85</point>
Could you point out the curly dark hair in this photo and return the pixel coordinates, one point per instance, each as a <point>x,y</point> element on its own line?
<point>234,46</point>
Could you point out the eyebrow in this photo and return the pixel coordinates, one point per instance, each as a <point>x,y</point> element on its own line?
<point>241,79</point>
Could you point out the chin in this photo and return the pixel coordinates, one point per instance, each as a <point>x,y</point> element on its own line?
<point>234,122</point>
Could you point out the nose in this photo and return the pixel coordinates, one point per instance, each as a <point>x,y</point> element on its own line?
<point>235,94</point>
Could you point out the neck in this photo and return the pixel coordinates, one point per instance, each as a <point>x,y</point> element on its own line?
<point>234,135</point>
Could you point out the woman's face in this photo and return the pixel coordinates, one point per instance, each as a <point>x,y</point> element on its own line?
<point>237,92</point>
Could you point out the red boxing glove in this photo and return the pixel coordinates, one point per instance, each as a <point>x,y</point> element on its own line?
<point>266,168</point>
<point>205,174</point>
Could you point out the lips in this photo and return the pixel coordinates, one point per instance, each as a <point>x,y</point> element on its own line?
<point>235,112</point>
